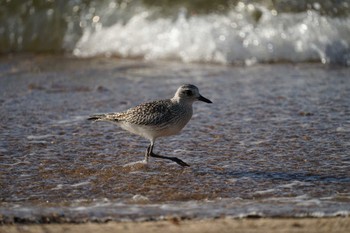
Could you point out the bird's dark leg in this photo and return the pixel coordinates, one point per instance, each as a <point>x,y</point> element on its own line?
<point>149,148</point>
<point>174,159</point>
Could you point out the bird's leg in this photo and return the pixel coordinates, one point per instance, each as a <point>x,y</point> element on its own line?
<point>147,154</point>
<point>174,159</point>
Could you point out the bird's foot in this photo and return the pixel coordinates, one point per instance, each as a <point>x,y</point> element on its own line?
<point>180,162</point>
<point>174,159</point>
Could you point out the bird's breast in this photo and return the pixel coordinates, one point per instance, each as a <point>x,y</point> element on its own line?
<point>177,123</point>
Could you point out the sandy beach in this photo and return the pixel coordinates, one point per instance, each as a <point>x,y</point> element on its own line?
<point>263,225</point>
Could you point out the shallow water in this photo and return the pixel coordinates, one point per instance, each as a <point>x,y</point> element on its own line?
<point>275,142</point>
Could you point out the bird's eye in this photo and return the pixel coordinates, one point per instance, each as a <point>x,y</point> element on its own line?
<point>188,92</point>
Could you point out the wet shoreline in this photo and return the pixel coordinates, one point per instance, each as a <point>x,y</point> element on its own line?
<point>275,142</point>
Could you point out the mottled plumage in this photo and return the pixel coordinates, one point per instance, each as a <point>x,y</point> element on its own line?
<point>158,118</point>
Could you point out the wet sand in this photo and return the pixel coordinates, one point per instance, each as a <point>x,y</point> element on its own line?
<point>275,142</point>
<point>271,225</point>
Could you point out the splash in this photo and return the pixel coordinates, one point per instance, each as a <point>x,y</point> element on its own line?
<point>239,36</point>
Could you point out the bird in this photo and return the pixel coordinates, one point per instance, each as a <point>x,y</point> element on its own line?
<point>159,118</point>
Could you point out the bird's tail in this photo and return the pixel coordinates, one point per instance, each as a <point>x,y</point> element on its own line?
<point>97,117</point>
<point>104,117</point>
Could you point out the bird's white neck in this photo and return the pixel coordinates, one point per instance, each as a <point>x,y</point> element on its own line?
<point>182,101</point>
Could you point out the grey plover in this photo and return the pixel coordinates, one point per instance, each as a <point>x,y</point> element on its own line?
<point>158,118</point>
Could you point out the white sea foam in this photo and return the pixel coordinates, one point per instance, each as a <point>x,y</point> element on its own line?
<point>296,183</point>
<point>342,213</point>
<point>81,184</point>
<point>38,137</point>
<point>58,187</point>
<point>140,198</point>
<point>234,37</point>
<point>310,202</point>
<point>265,191</point>
<point>343,129</point>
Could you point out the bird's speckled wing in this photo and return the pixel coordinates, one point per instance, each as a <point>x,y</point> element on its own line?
<point>152,113</point>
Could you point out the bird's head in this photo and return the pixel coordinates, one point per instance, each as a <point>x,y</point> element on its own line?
<point>189,93</point>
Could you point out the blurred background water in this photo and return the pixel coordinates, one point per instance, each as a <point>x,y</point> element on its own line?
<point>225,31</point>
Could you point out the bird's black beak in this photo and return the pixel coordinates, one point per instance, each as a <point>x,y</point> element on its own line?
<point>201,98</point>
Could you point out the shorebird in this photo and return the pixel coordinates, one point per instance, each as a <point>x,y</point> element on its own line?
<point>159,118</point>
